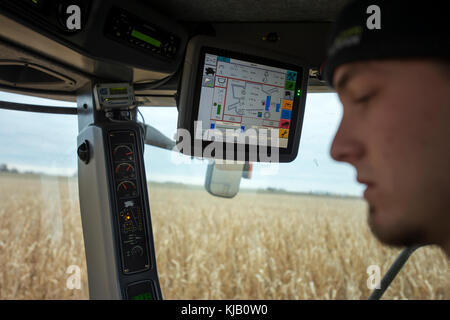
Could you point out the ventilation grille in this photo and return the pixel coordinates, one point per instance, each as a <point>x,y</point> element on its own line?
<point>27,75</point>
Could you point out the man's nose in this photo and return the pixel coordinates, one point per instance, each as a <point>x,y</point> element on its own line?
<point>346,146</point>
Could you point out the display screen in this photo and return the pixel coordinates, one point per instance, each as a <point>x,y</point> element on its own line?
<point>140,291</point>
<point>242,95</point>
<point>146,38</point>
<point>143,296</point>
<point>114,91</point>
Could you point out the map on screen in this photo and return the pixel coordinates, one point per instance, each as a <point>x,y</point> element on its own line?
<point>243,95</point>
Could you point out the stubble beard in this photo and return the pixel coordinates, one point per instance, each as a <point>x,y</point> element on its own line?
<point>400,235</point>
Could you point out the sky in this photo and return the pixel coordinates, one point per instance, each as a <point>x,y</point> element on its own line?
<point>47,143</point>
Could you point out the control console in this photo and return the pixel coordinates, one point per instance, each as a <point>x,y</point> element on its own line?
<point>130,218</point>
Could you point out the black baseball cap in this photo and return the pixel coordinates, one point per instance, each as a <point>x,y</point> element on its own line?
<point>387,29</point>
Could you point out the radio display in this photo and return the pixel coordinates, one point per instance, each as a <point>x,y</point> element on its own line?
<point>146,38</point>
<point>114,91</point>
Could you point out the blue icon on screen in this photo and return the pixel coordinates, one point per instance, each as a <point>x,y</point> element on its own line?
<point>285,114</point>
<point>267,103</point>
<point>224,59</point>
<point>291,76</point>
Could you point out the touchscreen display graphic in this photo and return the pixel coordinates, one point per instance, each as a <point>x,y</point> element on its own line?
<point>242,95</point>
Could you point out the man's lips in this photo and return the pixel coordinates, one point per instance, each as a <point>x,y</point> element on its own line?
<point>370,186</point>
<point>369,190</point>
<point>364,181</point>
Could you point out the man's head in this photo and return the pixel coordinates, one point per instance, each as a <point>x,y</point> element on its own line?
<point>395,131</point>
<point>395,128</point>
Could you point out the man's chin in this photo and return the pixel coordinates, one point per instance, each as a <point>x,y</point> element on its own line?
<point>390,233</point>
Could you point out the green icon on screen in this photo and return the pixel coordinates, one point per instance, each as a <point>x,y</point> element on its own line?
<point>289,85</point>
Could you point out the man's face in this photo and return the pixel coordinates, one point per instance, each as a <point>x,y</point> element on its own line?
<point>395,131</point>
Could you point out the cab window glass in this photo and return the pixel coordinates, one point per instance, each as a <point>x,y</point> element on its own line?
<point>294,231</point>
<point>41,239</point>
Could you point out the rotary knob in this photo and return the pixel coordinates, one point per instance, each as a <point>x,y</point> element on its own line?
<point>137,251</point>
<point>83,152</point>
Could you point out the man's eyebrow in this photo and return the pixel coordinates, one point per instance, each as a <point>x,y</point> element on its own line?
<point>343,81</point>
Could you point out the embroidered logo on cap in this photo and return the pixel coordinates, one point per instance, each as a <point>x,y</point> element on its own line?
<point>346,38</point>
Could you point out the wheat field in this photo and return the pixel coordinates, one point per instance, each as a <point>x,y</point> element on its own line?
<point>255,246</point>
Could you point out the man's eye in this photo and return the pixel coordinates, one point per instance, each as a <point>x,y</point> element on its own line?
<point>364,99</point>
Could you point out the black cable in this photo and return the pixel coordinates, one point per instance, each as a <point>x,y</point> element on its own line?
<point>158,83</point>
<point>144,127</point>
<point>152,85</point>
<point>139,111</point>
<point>36,108</point>
<point>392,272</point>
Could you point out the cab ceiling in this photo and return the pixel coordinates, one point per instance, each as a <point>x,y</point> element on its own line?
<point>250,10</point>
<point>246,21</point>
